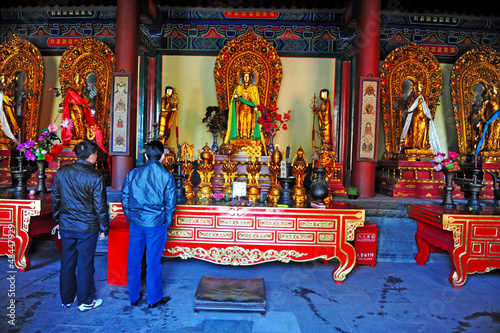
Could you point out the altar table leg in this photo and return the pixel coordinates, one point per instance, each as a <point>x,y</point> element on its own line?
<point>347,258</point>
<point>423,250</point>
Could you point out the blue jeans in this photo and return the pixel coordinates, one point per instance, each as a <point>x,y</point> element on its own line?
<point>78,249</point>
<point>154,239</point>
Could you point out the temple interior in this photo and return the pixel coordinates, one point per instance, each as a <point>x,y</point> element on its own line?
<point>364,132</point>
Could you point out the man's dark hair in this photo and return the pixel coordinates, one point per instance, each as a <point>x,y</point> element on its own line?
<point>84,149</point>
<point>154,150</point>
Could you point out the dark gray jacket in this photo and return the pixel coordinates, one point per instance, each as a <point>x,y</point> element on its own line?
<point>79,198</point>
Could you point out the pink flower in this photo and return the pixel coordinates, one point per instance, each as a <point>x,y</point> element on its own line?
<point>53,128</point>
<point>452,155</point>
<point>67,123</point>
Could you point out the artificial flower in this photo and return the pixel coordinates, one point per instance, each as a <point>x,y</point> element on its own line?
<point>67,123</point>
<point>216,120</point>
<point>52,128</point>
<point>44,148</point>
<point>272,121</point>
<point>441,162</point>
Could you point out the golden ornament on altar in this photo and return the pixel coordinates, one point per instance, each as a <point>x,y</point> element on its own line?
<point>229,170</point>
<point>253,172</point>
<point>274,164</point>
<point>169,161</point>
<point>205,170</point>
<point>187,156</point>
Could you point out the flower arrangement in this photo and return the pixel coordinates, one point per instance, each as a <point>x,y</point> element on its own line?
<point>441,162</point>
<point>216,120</point>
<point>271,120</point>
<point>45,148</point>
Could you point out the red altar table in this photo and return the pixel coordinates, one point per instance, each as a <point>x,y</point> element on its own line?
<point>472,240</point>
<point>230,235</point>
<point>20,220</point>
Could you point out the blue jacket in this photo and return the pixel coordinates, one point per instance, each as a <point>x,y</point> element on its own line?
<point>148,195</point>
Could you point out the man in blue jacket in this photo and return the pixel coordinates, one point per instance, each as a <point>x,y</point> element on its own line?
<point>149,201</point>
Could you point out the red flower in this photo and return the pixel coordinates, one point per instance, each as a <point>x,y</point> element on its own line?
<point>266,127</point>
<point>285,127</point>
<point>260,120</point>
<point>55,150</point>
<point>286,116</point>
<point>49,157</point>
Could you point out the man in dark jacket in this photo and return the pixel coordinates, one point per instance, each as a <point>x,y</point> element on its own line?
<point>149,201</point>
<point>81,213</point>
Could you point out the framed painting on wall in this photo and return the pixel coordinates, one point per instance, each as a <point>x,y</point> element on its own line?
<point>369,90</point>
<point>119,143</point>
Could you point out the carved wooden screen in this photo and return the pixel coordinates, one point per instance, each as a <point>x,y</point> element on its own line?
<point>20,56</point>
<point>253,51</point>
<point>472,72</point>
<point>409,62</point>
<point>84,58</point>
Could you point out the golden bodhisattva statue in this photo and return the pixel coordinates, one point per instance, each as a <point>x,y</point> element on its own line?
<point>243,112</point>
<point>419,131</point>
<point>324,119</point>
<point>8,122</point>
<point>489,114</point>
<point>169,103</point>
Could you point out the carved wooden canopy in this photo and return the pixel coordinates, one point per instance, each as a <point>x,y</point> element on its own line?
<point>90,56</point>
<point>20,56</point>
<point>409,62</point>
<point>261,56</point>
<point>470,75</point>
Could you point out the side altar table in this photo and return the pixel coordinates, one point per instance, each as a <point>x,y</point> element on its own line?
<point>231,235</point>
<point>20,220</point>
<point>472,240</point>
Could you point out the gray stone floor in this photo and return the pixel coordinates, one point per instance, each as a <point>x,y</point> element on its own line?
<point>301,297</point>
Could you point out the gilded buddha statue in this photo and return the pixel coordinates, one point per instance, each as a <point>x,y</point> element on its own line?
<point>489,113</point>
<point>8,121</point>
<point>169,103</point>
<point>419,131</point>
<point>243,112</point>
<point>324,119</point>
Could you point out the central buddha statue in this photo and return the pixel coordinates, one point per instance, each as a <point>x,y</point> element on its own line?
<point>242,125</point>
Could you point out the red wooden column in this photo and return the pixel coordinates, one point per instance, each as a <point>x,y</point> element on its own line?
<point>127,53</point>
<point>367,62</point>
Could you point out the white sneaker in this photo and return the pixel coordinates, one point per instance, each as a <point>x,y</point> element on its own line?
<point>95,303</point>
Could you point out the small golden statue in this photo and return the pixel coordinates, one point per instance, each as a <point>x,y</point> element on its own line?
<point>299,166</point>
<point>324,118</point>
<point>169,104</point>
<point>253,172</point>
<point>187,156</point>
<point>274,164</point>
<point>206,170</point>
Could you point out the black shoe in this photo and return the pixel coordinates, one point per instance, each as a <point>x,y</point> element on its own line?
<point>164,300</point>
<point>136,302</point>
